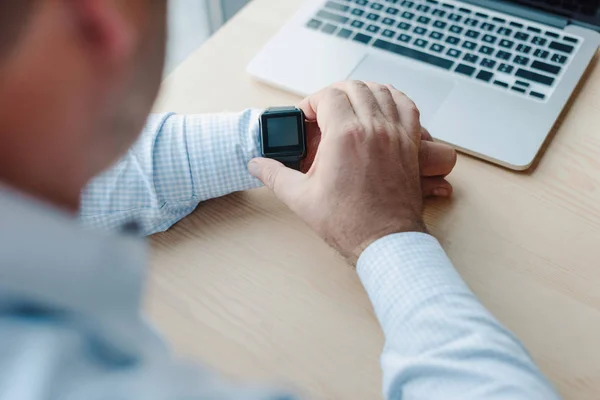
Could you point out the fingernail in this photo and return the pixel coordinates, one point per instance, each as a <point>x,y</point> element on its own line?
<point>253,167</point>
<point>441,192</point>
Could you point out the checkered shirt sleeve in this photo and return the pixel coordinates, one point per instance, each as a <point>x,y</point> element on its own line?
<point>178,162</point>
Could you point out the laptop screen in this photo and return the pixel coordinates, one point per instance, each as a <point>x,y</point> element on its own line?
<point>587,11</point>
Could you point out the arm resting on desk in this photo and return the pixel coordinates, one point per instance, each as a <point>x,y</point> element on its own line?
<point>178,162</point>
<point>441,343</point>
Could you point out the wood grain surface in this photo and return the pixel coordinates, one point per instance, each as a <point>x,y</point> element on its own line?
<point>243,286</point>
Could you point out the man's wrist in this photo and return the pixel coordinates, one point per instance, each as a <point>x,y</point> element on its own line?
<point>409,226</point>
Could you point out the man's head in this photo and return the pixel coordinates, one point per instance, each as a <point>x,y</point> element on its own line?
<point>77,80</point>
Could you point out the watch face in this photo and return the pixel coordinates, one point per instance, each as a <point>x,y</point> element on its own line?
<point>283,133</point>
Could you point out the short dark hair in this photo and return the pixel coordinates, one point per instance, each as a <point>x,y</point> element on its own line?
<point>13,17</point>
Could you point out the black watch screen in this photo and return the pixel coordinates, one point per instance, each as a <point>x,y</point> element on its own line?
<point>282,134</point>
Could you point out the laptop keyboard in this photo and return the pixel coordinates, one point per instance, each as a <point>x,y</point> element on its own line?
<point>496,49</point>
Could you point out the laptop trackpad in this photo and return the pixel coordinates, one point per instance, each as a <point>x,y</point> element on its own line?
<point>427,90</point>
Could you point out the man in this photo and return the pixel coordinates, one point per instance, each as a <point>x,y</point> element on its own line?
<point>77,79</point>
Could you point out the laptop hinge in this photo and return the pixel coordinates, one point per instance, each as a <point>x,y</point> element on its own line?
<point>522,12</point>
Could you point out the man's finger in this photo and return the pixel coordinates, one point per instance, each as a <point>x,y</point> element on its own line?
<point>436,187</point>
<point>363,100</point>
<point>386,101</point>
<point>437,159</point>
<point>425,135</point>
<point>283,181</point>
<point>330,107</point>
<point>410,117</point>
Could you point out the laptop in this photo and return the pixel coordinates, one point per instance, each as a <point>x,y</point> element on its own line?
<point>490,77</point>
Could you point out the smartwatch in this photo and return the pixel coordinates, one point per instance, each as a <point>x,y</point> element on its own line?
<point>283,135</point>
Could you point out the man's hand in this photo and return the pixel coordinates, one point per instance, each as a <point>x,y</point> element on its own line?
<point>437,160</point>
<point>366,178</point>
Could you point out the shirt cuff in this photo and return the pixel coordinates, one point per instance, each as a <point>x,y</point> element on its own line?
<point>403,271</point>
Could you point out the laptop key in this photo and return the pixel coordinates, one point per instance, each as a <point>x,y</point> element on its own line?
<point>559,59</point>
<point>523,48</point>
<point>453,53</point>
<point>357,24</point>
<point>373,17</point>
<point>537,95</point>
<point>404,38</point>
<point>471,22</point>
<point>507,44</point>
<point>471,58</point>
<point>534,77</point>
<point>465,69</point>
<point>486,26</point>
<point>538,41</point>
<point>314,24</point>
<point>344,33</point>
<point>388,21</point>
<point>362,2</point>
<point>336,6</point>
<point>329,28</point>
<point>454,17</point>
<point>392,10</point>
<point>456,29</point>
<point>388,33</point>
<point>565,48</point>
<point>522,36</point>
<point>500,83</point>
<point>439,13</point>
<point>423,8</point>
<point>487,63</point>
<point>469,45</point>
<point>404,26</point>
<point>438,48</point>
<point>485,76</point>
<point>570,39</point>
<point>486,50</point>
<point>522,83</point>
<point>408,15</point>
<point>518,89</point>
<point>376,6</point>
<point>358,12</point>
<point>503,55</point>
<point>472,34</point>
<point>505,31</point>
<point>408,4</point>
<point>440,24</point>
<point>419,30</point>
<point>452,40</point>
<point>521,60</point>
<point>362,38</point>
<point>424,20</point>
<point>421,43</point>
<point>543,54</point>
<point>489,39</point>
<point>414,54</point>
<point>373,28</point>
<point>542,66</point>
<point>436,35</point>
<point>332,17</point>
<point>507,69</point>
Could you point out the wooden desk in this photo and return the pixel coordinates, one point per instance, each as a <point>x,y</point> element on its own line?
<point>244,286</point>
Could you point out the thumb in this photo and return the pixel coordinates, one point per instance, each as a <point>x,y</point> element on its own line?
<point>283,181</point>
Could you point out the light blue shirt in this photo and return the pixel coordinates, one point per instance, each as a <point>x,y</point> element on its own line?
<point>70,323</point>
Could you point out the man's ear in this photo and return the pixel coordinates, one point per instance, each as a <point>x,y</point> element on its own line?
<point>104,27</point>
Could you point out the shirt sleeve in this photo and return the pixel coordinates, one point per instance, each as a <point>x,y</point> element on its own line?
<point>440,341</point>
<point>178,162</point>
